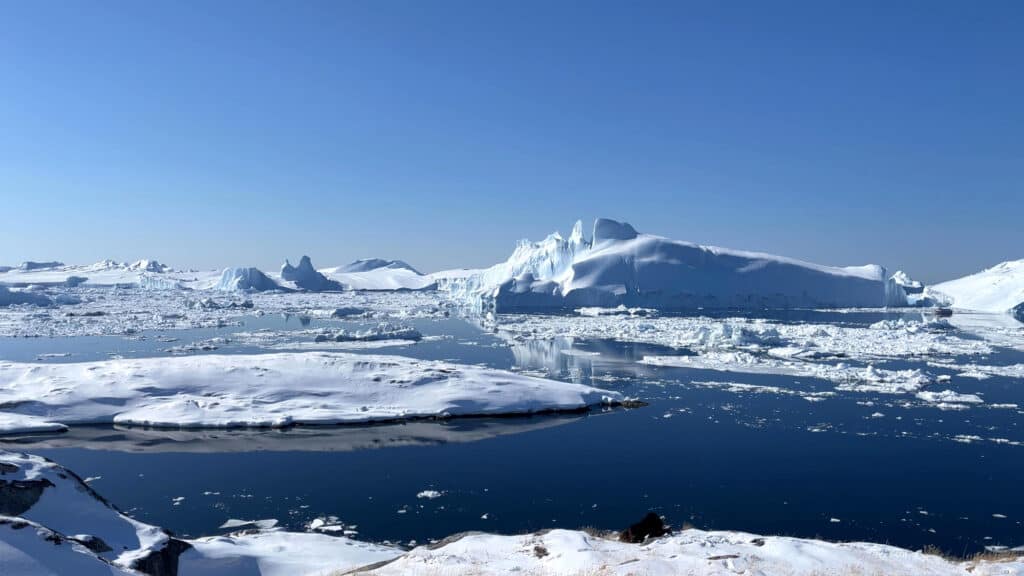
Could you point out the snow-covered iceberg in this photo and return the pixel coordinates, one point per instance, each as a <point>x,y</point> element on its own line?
<point>368,264</point>
<point>246,279</point>
<point>999,289</point>
<point>263,390</point>
<point>379,274</point>
<point>305,277</point>
<point>619,266</point>
<point>30,265</point>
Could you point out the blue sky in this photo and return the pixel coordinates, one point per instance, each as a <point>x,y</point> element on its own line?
<point>222,133</point>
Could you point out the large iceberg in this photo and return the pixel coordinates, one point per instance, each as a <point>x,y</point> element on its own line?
<point>998,289</point>
<point>620,266</point>
<point>247,279</point>
<point>305,277</point>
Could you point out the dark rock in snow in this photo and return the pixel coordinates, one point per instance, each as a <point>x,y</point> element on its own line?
<point>162,562</point>
<point>650,527</point>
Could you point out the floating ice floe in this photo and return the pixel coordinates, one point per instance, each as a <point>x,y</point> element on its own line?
<point>620,310</point>
<point>216,391</point>
<point>742,388</point>
<point>846,378</point>
<point>922,339</point>
<point>383,331</point>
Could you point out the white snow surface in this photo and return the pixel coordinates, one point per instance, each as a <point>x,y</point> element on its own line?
<point>394,275</point>
<point>275,390</point>
<point>996,289</point>
<point>68,506</point>
<point>28,549</point>
<point>148,274</point>
<point>690,552</point>
<point>279,553</point>
<point>12,423</point>
<point>622,267</point>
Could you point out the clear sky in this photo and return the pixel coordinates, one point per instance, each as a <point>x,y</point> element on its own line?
<point>215,133</point>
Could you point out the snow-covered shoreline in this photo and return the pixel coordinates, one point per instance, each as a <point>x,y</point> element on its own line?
<point>55,524</point>
<point>272,390</point>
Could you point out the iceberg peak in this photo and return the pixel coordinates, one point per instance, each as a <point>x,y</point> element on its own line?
<point>306,277</point>
<point>608,229</point>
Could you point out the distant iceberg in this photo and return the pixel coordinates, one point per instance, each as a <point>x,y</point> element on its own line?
<point>620,266</point>
<point>379,274</point>
<point>305,277</point>
<point>247,279</point>
<point>368,264</point>
<point>148,266</point>
<point>30,265</point>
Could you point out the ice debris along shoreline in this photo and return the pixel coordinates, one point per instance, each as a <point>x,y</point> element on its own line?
<point>272,390</point>
<point>54,523</point>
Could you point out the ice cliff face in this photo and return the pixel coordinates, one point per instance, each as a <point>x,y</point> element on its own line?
<point>305,277</point>
<point>623,267</point>
<point>533,264</point>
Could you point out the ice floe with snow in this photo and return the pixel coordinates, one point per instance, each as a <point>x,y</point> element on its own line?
<point>217,391</point>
